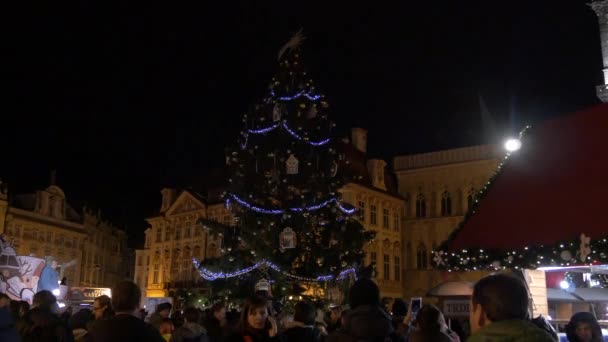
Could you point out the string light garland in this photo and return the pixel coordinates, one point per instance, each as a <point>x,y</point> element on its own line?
<point>298,95</point>
<point>295,209</point>
<point>288,130</point>
<point>211,276</point>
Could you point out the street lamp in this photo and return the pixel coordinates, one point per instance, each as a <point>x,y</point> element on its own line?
<point>512,144</point>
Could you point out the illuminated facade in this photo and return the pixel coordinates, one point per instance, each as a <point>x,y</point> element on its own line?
<point>173,238</point>
<point>438,188</point>
<point>89,251</point>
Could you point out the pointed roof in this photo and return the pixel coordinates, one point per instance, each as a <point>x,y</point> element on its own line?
<point>547,194</point>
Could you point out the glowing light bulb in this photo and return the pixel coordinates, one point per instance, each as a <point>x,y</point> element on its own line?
<point>564,284</point>
<point>512,144</point>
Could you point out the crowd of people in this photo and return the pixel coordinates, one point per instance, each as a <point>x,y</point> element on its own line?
<point>499,312</point>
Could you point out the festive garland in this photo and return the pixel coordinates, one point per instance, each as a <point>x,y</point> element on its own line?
<point>286,128</point>
<point>211,276</point>
<point>268,211</point>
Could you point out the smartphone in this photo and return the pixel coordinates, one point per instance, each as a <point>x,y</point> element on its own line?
<point>415,304</point>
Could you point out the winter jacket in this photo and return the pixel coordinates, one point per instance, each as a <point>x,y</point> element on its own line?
<point>302,334</point>
<point>366,323</point>
<point>255,337</point>
<point>190,332</point>
<point>215,332</point>
<point>8,333</point>
<point>515,330</point>
<point>41,325</point>
<point>426,336</point>
<point>48,279</point>
<point>123,328</point>
<point>155,320</point>
<point>80,335</point>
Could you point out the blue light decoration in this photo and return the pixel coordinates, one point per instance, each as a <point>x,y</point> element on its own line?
<point>298,95</point>
<point>290,131</point>
<point>295,209</point>
<point>211,276</point>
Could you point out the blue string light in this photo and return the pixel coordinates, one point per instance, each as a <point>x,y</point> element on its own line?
<point>290,131</point>
<point>211,276</point>
<point>298,95</point>
<point>295,209</point>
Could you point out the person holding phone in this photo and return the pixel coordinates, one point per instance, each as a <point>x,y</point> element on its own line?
<point>256,325</point>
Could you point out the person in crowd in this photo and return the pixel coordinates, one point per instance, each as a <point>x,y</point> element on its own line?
<point>102,307</point>
<point>500,311</point>
<point>399,311</point>
<point>428,326</point>
<point>302,328</point>
<point>8,332</point>
<point>79,322</point>
<point>166,328</point>
<point>124,326</point>
<point>232,322</point>
<point>163,310</point>
<point>366,319</point>
<point>178,318</point>
<point>256,324</point>
<point>42,323</point>
<point>583,327</point>
<point>335,313</point>
<point>66,314</point>
<point>191,331</point>
<point>143,314</point>
<point>215,322</point>
<point>446,329</point>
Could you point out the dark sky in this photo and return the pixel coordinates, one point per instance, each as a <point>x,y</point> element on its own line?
<point>124,97</point>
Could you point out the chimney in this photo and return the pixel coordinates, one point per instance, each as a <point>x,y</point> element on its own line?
<point>375,168</point>
<point>359,139</point>
<point>168,198</point>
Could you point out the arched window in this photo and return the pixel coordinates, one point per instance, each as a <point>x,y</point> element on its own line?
<point>197,252</point>
<point>420,206</point>
<point>471,198</point>
<point>446,204</point>
<point>422,256</point>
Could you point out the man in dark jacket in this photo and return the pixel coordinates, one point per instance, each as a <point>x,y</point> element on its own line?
<point>215,322</point>
<point>42,322</point>
<point>8,332</point>
<point>191,331</point>
<point>124,326</point>
<point>163,310</point>
<point>302,329</point>
<point>500,310</point>
<point>366,321</point>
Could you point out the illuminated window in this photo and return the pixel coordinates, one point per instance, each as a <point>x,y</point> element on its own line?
<point>397,268</point>
<point>385,218</point>
<point>387,267</point>
<point>361,211</point>
<point>396,220</point>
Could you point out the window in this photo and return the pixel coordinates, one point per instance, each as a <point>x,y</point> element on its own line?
<point>397,268</point>
<point>139,260</point>
<point>396,221</point>
<point>471,198</point>
<point>446,204</point>
<point>373,258</point>
<point>420,206</point>
<point>178,233</point>
<point>372,214</point>
<point>74,243</point>
<point>187,233</point>
<point>197,252</point>
<point>385,218</point>
<point>421,257</point>
<point>197,231</point>
<point>186,267</point>
<point>167,234</point>
<point>361,211</point>
<point>159,234</point>
<point>156,270</point>
<point>49,236</point>
<point>387,267</point>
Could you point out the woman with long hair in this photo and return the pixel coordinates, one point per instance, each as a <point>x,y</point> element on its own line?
<point>428,326</point>
<point>256,325</point>
<point>102,307</point>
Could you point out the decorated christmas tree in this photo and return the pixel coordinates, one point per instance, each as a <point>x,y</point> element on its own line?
<point>291,227</point>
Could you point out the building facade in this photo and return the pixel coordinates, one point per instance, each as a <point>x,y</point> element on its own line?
<point>164,266</point>
<point>373,190</point>
<point>89,251</point>
<point>438,188</point>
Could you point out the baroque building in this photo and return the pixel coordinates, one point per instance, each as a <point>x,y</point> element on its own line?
<point>373,190</point>
<point>164,266</point>
<point>90,251</point>
<point>438,187</point>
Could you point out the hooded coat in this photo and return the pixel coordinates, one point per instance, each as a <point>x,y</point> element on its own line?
<point>190,332</point>
<point>366,323</point>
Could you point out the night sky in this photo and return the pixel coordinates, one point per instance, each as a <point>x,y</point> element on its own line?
<point>123,98</point>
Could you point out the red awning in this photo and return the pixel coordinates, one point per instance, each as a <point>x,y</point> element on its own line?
<point>553,189</point>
